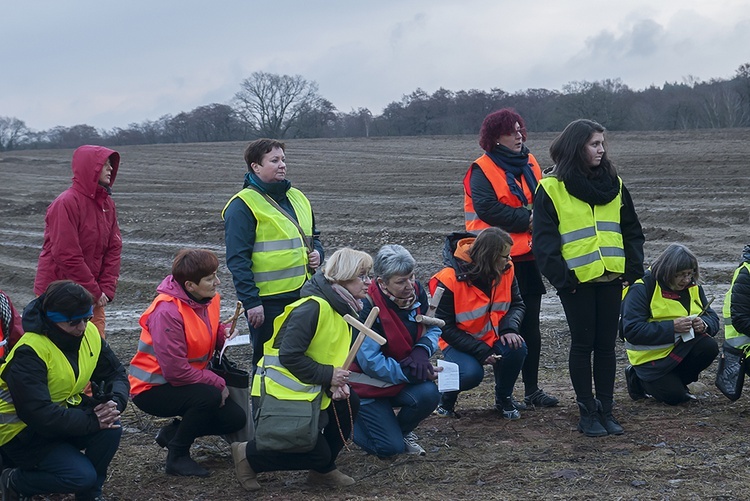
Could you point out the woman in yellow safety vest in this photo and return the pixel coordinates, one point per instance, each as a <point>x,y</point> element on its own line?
<point>303,360</point>
<point>272,246</point>
<point>737,308</point>
<point>169,374</point>
<point>53,437</point>
<point>668,328</point>
<point>588,242</point>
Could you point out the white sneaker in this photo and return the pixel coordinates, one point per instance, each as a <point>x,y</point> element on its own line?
<point>411,446</point>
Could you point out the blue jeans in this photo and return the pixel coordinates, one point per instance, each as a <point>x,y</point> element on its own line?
<point>65,469</point>
<point>380,431</point>
<point>471,372</point>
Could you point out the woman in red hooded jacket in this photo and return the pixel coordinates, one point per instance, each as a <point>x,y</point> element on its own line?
<point>82,240</point>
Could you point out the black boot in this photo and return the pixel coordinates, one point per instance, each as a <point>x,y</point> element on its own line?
<point>589,424</point>
<point>607,419</point>
<point>179,463</point>
<point>167,433</point>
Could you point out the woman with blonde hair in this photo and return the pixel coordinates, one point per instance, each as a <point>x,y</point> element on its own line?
<point>303,360</point>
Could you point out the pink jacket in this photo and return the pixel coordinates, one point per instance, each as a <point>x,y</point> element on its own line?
<point>168,335</point>
<point>82,240</point>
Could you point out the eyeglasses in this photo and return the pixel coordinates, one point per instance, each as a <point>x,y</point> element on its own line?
<point>365,277</point>
<point>74,323</point>
<point>506,257</point>
<point>687,275</point>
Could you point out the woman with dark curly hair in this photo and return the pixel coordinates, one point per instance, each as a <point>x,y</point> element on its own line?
<point>589,244</point>
<point>499,191</point>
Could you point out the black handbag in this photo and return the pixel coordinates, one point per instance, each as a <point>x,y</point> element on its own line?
<point>238,384</point>
<point>730,376</point>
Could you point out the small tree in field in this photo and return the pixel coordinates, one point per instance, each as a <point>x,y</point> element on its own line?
<point>271,104</point>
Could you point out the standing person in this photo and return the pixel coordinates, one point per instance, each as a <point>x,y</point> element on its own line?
<point>45,419</point>
<point>482,310</point>
<point>82,240</point>
<point>737,308</point>
<point>589,243</point>
<point>304,358</point>
<point>10,325</point>
<point>668,328</point>
<point>272,246</point>
<point>398,374</point>
<point>499,191</point>
<point>169,374</point>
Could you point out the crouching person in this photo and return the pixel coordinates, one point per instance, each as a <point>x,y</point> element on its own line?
<point>398,374</point>
<point>54,438</point>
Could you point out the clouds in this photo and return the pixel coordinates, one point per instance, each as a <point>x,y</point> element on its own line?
<point>110,64</point>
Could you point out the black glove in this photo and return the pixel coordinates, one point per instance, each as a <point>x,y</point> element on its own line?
<point>99,395</point>
<point>417,364</point>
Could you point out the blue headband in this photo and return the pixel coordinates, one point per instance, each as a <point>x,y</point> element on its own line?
<point>57,317</point>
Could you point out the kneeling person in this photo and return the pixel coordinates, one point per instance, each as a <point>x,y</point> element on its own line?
<point>45,419</point>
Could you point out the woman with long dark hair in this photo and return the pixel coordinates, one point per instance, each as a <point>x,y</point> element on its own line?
<point>588,242</point>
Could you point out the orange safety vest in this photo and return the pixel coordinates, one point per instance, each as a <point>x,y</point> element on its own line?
<point>476,314</point>
<point>145,372</point>
<point>496,176</point>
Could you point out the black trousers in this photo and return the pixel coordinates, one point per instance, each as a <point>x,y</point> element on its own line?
<point>272,308</point>
<point>592,313</point>
<point>531,333</point>
<point>672,387</point>
<point>198,405</point>
<point>323,457</point>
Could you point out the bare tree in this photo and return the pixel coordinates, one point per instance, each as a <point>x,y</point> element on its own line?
<point>12,132</point>
<point>270,104</point>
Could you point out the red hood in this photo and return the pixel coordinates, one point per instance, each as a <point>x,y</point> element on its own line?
<point>87,164</point>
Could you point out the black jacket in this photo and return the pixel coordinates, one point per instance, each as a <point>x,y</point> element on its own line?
<point>740,297</point>
<point>26,377</point>
<point>446,310</point>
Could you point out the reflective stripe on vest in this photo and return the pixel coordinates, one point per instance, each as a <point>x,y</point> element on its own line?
<point>279,253</point>
<point>662,309</point>
<point>145,372</point>
<point>497,178</point>
<point>329,346</point>
<point>731,335</point>
<point>591,236</point>
<point>476,314</point>
<point>64,387</point>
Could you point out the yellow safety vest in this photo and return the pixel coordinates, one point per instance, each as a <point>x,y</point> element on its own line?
<point>731,336</point>
<point>662,309</point>
<point>591,235</point>
<point>64,388</point>
<point>279,254</point>
<point>329,346</point>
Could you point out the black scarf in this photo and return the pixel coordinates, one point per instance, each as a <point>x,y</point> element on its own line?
<point>515,165</point>
<point>599,189</point>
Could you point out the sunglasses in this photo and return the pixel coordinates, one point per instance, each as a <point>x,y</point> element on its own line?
<point>74,323</point>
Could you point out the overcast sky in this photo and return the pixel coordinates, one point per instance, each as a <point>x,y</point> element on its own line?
<point>109,64</point>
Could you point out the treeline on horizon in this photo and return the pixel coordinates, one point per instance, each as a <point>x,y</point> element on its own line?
<point>287,107</point>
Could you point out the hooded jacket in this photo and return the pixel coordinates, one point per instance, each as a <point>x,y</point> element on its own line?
<point>27,378</point>
<point>452,334</point>
<point>82,240</point>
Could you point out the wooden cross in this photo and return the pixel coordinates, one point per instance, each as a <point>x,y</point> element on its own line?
<point>364,331</point>
<point>429,317</point>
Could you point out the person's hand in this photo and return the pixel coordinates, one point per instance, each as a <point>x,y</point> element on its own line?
<point>683,324</point>
<point>492,359</point>
<point>227,326</point>
<point>313,259</point>
<point>340,392</point>
<point>224,396</point>
<point>103,300</point>
<point>511,339</point>
<point>108,415</point>
<point>417,364</point>
<point>256,316</point>
<point>340,376</point>
<point>699,326</point>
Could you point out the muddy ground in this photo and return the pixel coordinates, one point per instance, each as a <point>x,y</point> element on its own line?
<point>690,187</point>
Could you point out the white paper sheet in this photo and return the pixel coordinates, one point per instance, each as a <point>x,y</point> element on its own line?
<point>235,341</point>
<point>448,379</point>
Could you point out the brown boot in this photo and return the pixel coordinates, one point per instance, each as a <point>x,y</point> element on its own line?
<point>333,478</point>
<point>242,468</point>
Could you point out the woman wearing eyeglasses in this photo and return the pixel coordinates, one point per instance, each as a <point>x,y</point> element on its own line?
<point>668,328</point>
<point>499,191</point>
<point>169,374</point>
<point>54,438</point>
<point>482,310</point>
